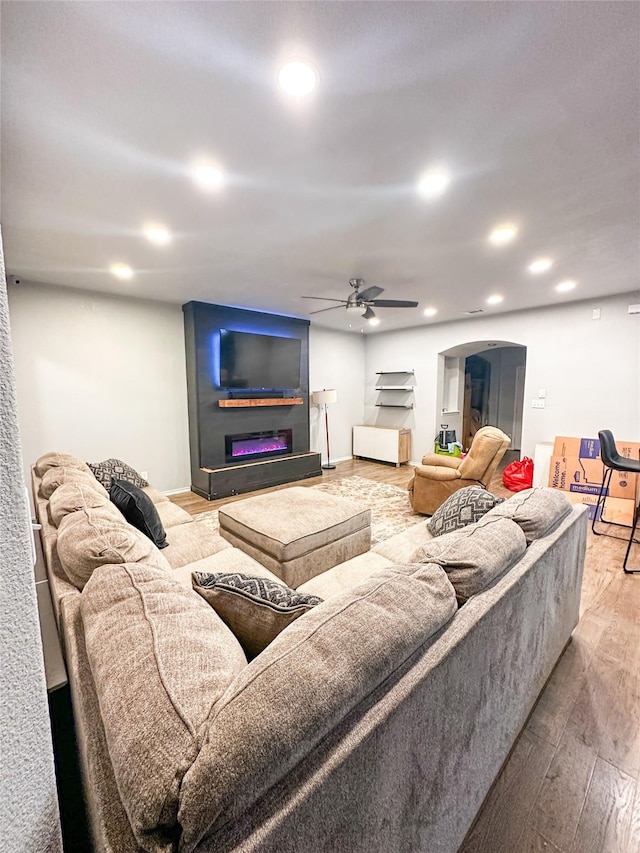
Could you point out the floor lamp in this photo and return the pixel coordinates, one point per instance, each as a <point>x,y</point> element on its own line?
<point>320,398</point>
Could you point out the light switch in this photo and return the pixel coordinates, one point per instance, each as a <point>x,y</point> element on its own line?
<point>595,314</point>
<point>537,404</point>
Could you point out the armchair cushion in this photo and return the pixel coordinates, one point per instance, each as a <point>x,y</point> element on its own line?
<point>441,460</point>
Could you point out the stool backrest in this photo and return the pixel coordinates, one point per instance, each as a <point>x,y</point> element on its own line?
<point>608,451</point>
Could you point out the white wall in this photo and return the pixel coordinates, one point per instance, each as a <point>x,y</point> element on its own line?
<point>101,376</point>
<point>336,360</point>
<point>29,821</point>
<point>590,369</point>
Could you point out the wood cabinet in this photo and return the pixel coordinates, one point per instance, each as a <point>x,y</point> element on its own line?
<point>385,444</point>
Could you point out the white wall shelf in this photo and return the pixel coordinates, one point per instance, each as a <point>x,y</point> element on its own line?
<point>395,387</point>
<point>387,402</point>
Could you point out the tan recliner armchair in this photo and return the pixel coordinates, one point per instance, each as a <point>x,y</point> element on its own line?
<point>440,476</point>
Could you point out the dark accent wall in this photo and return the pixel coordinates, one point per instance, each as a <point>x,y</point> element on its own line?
<point>208,423</point>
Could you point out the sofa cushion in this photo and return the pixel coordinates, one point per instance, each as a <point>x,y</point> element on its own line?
<point>465,506</point>
<point>171,514</point>
<point>139,510</point>
<point>72,497</point>
<point>58,476</point>
<point>58,460</point>
<point>304,684</point>
<point>188,543</point>
<point>93,537</point>
<point>537,511</point>
<point>161,659</point>
<point>475,555</point>
<point>226,560</point>
<point>345,575</point>
<point>401,547</point>
<point>111,469</point>
<point>254,608</point>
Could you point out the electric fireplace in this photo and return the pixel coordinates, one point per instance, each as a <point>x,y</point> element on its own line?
<point>246,446</point>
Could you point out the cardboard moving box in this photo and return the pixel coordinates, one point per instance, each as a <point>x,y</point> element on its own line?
<point>576,468</point>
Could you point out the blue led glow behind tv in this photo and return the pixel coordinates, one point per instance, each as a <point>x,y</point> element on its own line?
<point>257,362</point>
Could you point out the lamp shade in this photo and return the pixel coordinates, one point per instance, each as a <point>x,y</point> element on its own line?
<point>320,398</point>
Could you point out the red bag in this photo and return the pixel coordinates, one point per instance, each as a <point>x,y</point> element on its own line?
<point>518,475</point>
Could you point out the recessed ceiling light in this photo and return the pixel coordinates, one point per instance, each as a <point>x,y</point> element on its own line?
<point>207,176</point>
<point>374,321</point>
<point>122,271</point>
<point>430,312</point>
<point>495,299</point>
<point>502,234</point>
<point>157,234</point>
<point>298,78</point>
<point>433,184</point>
<point>566,285</point>
<point>540,265</point>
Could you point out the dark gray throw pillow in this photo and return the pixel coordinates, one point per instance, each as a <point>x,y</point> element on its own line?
<point>116,469</point>
<point>465,506</point>
<point>139,510</point>
<point>256,609</point>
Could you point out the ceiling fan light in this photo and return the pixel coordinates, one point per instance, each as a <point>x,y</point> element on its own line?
<point>354,308</point>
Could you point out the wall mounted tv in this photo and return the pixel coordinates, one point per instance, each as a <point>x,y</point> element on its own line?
<point>259,362</point>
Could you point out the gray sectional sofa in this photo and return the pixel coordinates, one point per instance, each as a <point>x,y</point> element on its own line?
<point>377,721</point>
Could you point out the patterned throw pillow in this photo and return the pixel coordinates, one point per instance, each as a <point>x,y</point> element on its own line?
<point>115,469</point>
<point>255,609</point>
<point>463,507</point>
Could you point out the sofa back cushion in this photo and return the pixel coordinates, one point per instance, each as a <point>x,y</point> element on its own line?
<point>95,537</point>
<point>474,556</point>
<point>72,497</point>
<point>304,684</point>
<point>160,658</point>
<point>58,476</point>
<point>59,460</point>
<point>536,511</point>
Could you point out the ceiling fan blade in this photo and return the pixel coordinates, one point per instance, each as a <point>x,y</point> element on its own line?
<point>369,293</point>
<point>369,314</point>
<point>392,303</point>
<point>325,299</point>
<point>330,308</point>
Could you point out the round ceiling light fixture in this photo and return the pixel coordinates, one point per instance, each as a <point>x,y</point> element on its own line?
<point>374,321</point>
<point>430,312</point>
<point>433,184</point>
<point>208,176</point>
<point>540,265</point>
<point>157,234</point>
<point>495,299</point>
<point>122,271</point>
<point>502,234</point>
<point>298,78</point>
<point>566,285</point>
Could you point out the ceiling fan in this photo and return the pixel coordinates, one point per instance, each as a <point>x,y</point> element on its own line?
<point>366,299</point>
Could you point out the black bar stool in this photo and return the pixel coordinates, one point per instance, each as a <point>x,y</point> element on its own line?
<point>613,461</point>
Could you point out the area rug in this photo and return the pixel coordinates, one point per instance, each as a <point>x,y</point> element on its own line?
<point>391,511</point>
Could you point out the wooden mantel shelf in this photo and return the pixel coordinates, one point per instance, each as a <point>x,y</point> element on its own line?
<point>261,401</point>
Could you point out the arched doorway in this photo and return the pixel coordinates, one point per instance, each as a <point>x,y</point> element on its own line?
<point>481,383</point>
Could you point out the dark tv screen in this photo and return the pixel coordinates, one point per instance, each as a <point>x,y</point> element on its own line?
<point>258,361</point>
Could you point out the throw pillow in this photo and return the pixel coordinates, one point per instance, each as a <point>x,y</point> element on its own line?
<point>465,506</point>
<point>139,510</point>
<point>256,609</point>
<point>116,469</point>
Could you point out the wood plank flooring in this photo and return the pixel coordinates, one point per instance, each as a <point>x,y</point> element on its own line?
<point>572,781</point>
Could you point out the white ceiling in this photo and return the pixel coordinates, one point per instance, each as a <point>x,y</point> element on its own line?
<point>532,107</point>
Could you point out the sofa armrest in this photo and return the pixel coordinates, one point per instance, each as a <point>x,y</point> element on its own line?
<point>441,461</point>
<point>436,472</point>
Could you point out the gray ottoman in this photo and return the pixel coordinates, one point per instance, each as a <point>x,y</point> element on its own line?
<point>297,533</point>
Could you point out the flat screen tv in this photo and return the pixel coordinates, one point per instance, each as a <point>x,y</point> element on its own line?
<point>259,362</point>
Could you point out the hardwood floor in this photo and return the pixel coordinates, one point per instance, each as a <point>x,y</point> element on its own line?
<point>572,781</point>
